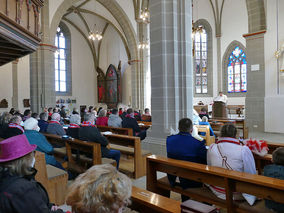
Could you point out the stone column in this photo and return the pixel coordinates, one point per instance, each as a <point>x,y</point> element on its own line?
<point>42,77</point>
<point>15,97</point>
<point>171,67</point>
<point>219,67</point>
<point>255,81</point>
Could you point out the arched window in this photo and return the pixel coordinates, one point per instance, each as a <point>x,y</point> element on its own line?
<point>62,61</point>
<point>203,59</point>
<point>237,71</point>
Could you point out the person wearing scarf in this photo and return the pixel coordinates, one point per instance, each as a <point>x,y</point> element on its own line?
<point>229,153</point>
<point>73,129</point>
<point>130,122</point>
<point>89,132</point>
<point>14,127</point>
<point>54,127</point>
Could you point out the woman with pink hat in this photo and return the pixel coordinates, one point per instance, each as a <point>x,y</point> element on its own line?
<point>19,192</point>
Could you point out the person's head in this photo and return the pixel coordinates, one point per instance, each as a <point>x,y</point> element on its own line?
<point>16,119</point>
<point>204,119</point>
<point>229,130</point>
<point>114,111</point>
<point>45,109</point>
<point>100,189</point>
<point>55,116</point>
<point>75,111</point>
<point>90,108</point>
<point>55,110</point>
<point>278,156</point>
<point>120,109</point>
<point>102,113</point>
<point>63,107</point>
<point>31,124</point>
<point>12,111</point>
<point>75,119</point>
<point>43,116</point>
<point>220,93</point>
<point>147,111</point>
<point>185,125</point>
<point>89,117</point>
<point>50,110</point>
<point>18,162</point>
<point>100,108</point>
<point>203,109</point>
<point>34,115</point>
<point>27,113</point>
<point>129,111</point>
<point>5,118</point>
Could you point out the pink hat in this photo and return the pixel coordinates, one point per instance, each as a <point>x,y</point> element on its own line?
<point>15,147</point>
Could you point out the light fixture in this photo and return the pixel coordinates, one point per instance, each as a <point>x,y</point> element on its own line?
<point>144,44</point>
<point>145,16</point>
<point>95,35</point>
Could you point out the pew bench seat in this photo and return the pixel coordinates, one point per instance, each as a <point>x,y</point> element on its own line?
<point>204,194</point>
<point>128,150</point>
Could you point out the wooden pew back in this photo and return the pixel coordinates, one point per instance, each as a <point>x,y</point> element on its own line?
<point>272,146</point>
<point>116,130</point>
<point>206,130</point>
<point>232,181</point>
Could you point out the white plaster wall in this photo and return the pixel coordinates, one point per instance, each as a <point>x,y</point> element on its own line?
<point>128,8</point>
<point>23,81</point>
<point>112,50</point>
<point>274,101</point>
<point>53,6</point>
<point>84,78</point>
<point>6,85</point>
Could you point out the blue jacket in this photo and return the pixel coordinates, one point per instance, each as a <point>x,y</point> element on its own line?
<point>42,125</point>
<point>185,147</point>
<point>43,145</point>
<point>274,171</point>
<point>208,124</point>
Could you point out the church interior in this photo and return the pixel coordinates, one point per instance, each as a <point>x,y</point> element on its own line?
<point>219,64</point>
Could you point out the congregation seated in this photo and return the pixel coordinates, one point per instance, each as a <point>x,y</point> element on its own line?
<point>42,122</point>
<point>100,189</point>
<point>114,120</point>
<point>73,129</point>
<point>4,121</point>
<point>137,115</point>
<point>130,122</point>
<point>89,132</point>
<point>146,116</point>
<point>54,127</point>
<point>19,191</point>
<point>35,115</point>
<point>275,170</point>
<point>27,114</point>
<point>228,153</point>
<point>35,137</point>
<point>102,119</point>
<point>123,113</point>
<point>205,122</point>
<point>14,127</point>
<point>120,111</point>
<point>184,146</point>
<point>203,113</point>
<point>49,111</point>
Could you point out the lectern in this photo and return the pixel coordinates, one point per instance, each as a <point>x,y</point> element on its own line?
<point>219,110</point>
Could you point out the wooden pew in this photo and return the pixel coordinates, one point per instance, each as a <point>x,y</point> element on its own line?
<point>146,118</point>
<point>260,186</point>
<point>82,163</point>
<point>53,179</point>
<point>130,145</point>
<point>262,161</point>
<point>116,130</point>
<point>146,201</point>
<point>205,128</point>
<point>237,108</point>
<point>272,146</point>
<point>145,123</point>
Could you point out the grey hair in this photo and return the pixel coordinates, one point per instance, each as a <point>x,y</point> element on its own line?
<point>102,113</point>
<point>16,119</point>
<point>75,119</point>
<point>89,117</point>
<point>43,116</point>
<point>204,119</point>
<point>5,118</point>
<point>101,189</point>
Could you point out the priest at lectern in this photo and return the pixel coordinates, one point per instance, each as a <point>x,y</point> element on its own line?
<point>221,97</point>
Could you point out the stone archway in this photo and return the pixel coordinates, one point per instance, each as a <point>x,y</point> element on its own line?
<point>114,8</point>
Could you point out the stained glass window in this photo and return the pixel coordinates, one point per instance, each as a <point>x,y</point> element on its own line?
<point>200,58</point>
<point>237,71</point>
<point>60,62</point>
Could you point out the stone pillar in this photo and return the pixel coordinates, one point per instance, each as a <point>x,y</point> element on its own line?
<point>219,67</point>
<point>42,77</point>
<point>171,66</point>
<point>15,97</point>
<point>255,81</point>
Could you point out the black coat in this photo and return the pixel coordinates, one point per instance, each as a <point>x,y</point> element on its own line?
<point>90,133</point>
<point>3,129</point>
<point>23,195</point>
<point>11,132</point>
<point>131,123</point>
<point>73,132</point>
